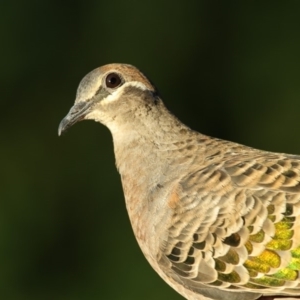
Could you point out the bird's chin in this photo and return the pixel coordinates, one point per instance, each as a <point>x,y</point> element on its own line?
<point>94,115</point>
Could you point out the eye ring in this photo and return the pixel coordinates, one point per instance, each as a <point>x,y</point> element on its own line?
<point>113,80</point>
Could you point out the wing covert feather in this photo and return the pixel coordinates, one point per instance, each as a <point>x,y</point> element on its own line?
<point>237,226</point>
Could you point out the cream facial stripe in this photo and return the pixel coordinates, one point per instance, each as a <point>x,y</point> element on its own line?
<point>118,93</point>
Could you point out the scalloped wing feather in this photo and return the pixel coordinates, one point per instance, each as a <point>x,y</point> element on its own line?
<point>236,227</point>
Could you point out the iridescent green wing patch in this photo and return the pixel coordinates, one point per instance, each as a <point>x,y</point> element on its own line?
<point>268,269</point>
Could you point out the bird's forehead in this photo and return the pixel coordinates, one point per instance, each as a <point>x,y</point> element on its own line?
<point>91,83</point>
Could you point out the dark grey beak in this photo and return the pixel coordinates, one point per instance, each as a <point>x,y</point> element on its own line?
<point>76,114</point>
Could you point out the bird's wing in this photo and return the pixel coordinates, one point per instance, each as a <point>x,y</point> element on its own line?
<point>236,226</point>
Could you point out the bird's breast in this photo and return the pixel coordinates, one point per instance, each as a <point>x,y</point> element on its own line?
<point>149,210</point>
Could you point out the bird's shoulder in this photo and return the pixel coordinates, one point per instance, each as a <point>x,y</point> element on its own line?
<point>235,221</point>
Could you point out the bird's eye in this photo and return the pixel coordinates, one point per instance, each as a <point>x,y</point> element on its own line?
<point>113,80</point>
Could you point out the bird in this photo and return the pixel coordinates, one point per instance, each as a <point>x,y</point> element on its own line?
<point>215,219</point>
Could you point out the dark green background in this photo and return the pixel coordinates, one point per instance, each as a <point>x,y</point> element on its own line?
<point>226,68</point>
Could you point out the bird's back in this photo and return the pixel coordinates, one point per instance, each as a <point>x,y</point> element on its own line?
<point>233,221</point>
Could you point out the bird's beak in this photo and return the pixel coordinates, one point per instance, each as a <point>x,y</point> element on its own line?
<point>77,113</point>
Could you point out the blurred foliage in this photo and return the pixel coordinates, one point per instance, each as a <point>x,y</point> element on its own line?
<point>226,68</point>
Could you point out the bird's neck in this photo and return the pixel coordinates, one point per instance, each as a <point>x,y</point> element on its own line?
<point>149,150</point>
<point>143,157</point>
<point>150,138</point>
<point>149,156</point>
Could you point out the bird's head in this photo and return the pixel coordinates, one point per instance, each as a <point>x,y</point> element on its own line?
<point>111,94</point>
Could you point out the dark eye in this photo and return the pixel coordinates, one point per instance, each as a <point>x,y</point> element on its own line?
<point>113,80</point>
